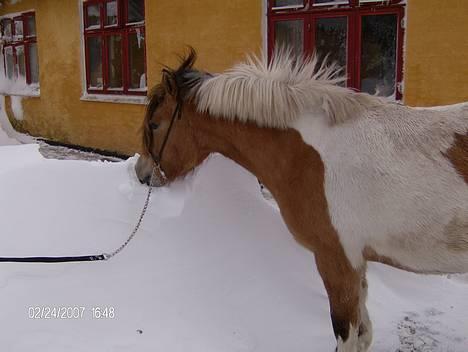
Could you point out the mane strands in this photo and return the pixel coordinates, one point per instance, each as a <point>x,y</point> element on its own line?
<point>275,93</point>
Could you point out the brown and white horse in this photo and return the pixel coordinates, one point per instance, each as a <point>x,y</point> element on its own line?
<point>356,178</point>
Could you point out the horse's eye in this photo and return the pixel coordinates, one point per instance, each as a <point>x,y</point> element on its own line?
<point>154,125</point>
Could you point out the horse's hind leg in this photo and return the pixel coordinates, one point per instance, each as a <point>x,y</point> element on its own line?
<point>365,328</point>
<point>343,285</point>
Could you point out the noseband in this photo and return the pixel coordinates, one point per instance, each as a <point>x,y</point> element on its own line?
<point>157,160</point>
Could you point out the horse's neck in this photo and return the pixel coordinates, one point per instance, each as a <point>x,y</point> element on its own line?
<point>278,158</point>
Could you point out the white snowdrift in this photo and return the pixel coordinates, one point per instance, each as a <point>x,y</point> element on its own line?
<point>8,135</point>
<point>212,269</point>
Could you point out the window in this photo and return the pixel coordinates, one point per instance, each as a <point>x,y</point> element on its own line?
<point>19,48</point>
<point>114,38</point>
<point>365,37</point>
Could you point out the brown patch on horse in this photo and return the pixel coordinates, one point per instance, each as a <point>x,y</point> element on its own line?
<point>458,155</point>
<point>456,233</point>
<point>278,158</point>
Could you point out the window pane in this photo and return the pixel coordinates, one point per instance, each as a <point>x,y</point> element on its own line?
<point>7,29</point>
<point>18,29</point>
<point>378,55</point>
<point>136,11</point>
<point>290,34</point>
<point>93,16</point>
<point>31,25</point>
<point>21,61</point>
<point>115,61</point>
<point>111,13</point>
<point>136,60</point>
<point>281,3</point>
<point>95,62</point>
<point>10,63</point>
<point>33,63</point>
<point>330,39</point>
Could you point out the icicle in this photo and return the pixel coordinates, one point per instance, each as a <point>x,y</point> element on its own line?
<point>139,37</point>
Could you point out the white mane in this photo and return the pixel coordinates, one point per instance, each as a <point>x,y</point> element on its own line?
<point>275,93</point>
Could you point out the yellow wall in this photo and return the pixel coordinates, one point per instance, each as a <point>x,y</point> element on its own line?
<point>436,62</point>
<point>436,68</point>
<point>221,31</point>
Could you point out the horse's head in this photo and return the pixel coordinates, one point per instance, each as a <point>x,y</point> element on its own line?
<point>171,148</point>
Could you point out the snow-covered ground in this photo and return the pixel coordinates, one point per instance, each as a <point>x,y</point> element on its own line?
<point>212,269</point>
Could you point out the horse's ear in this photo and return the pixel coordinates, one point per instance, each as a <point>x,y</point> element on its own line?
<point>168,81</point>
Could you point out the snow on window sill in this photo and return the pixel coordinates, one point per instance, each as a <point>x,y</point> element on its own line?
<point>135,23</point>
<point>333,3</point>
<point>287,7</point>
<point>32,94</point>
<point>109,98</point>
<point>19,88</point>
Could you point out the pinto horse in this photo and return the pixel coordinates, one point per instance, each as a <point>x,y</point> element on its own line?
<point>357,178</point>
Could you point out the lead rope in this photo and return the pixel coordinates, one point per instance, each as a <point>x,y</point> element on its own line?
<point>108,256</point>
<point>89,258</point>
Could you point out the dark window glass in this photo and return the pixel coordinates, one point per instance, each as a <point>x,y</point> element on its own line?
<point>136,58</point>
<point>93,16</point>
<point>115,61</point>
<point>331,39</point>
<point>111,13</point>
<point>378,55</point>
<point>136,11</point>
<point>33,63</point>
<point>282,3</point>
<point>31,25</point>
<point>290,34</point>
<point>95,62</point>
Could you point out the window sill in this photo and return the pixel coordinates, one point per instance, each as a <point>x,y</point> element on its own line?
<point>120,99</point>
<point>31,94</point>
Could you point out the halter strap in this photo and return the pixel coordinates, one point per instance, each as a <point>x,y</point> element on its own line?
<point>176,114</point>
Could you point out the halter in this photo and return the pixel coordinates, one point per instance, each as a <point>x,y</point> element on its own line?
<point>157,160</point>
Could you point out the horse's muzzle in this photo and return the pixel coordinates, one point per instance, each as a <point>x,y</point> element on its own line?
<point>157,178</point>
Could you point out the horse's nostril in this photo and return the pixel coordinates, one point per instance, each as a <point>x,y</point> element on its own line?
<point>144,180</point>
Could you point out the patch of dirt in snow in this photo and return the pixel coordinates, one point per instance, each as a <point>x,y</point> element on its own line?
<point>64,153</point>
<point>424,333</point>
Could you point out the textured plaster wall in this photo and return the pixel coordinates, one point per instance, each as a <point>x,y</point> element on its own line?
<point>436,62</point>
<point>220,31</point>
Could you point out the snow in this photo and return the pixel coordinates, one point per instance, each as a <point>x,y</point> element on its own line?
<point>125,99</point>
<point>213,268</point>
<point>17,86</point>
<point>17,107</point>
<point>8,135</point>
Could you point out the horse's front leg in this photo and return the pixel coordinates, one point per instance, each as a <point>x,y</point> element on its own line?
<point>343,285</point>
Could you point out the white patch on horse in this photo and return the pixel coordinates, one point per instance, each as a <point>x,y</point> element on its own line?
<point>390,187</point>
<point>275,93</point>
<point>351,344</point>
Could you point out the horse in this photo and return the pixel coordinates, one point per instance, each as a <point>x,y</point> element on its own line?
<point>357,178</point>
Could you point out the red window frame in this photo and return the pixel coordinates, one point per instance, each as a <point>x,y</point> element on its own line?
<point>25,41</point>
<point>122,28</point>
<point>354,11</point>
